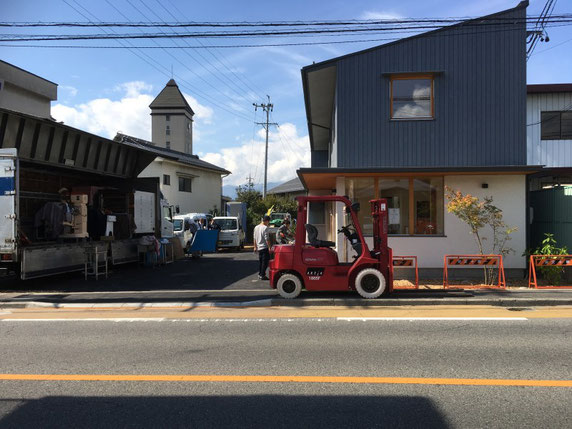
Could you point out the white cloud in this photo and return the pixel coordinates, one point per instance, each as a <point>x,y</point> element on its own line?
<point>68,90</point>
<point>370,14</point>
<point>129,114</point>
<point>287,151</point>
<point>106,117</point>
<point>203,114</point>
<point>134,88</point>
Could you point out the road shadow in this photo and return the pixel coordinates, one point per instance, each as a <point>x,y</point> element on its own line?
<point>249,411</point>
<point>214,272</point>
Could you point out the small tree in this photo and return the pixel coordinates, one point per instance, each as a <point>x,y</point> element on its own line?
<point>477,215</point>
<point>549,247</point>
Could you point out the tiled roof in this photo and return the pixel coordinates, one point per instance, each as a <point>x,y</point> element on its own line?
<point>294,185</point>
<point>182,157</point>
<point>171,97</point>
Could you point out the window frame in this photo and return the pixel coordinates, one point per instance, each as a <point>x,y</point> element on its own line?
<point>411,198</point>
<point>412,76</point>
<point>190,181</point>
<point>557,114</point>
<point>167,179</point>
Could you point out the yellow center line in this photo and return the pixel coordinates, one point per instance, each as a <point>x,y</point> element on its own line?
<point>289,379</point>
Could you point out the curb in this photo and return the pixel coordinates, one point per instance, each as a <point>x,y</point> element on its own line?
<point>313,302</point>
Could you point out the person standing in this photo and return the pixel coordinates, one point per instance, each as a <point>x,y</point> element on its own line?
<point>262,246</point>
<point>284,236</point>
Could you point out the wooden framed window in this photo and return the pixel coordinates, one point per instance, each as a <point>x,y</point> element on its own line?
<point>412,96</point>
<point>556,125</point>
<point>415,203</point>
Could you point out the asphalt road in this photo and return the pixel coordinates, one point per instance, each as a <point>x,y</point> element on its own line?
<point>225,276</point>
<point>537,349</point>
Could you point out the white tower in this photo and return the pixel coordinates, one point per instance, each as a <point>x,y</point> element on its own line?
<point>172,120</point>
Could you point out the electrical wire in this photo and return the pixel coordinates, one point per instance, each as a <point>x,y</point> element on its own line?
<point>222,24</point>
<point>156,65</point>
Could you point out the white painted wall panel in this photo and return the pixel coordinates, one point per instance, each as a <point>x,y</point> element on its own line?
<point>551,153</point>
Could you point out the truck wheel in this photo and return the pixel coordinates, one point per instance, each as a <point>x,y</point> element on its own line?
<point>370,283</point>
<point>289,286</point>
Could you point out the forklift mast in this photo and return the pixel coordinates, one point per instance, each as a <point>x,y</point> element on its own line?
<point>379,215</point>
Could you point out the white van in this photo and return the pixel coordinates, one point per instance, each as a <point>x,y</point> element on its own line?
<point>181,229</point>
<point>231,233</point>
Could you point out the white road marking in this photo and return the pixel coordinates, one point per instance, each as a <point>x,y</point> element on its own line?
<point>366,319</point>
<point>95,319</point>
<point>245,320</point>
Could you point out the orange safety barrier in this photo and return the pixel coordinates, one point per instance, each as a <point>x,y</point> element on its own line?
<point>547,261</point>
<point>407,262</point>
<point>474,261</point>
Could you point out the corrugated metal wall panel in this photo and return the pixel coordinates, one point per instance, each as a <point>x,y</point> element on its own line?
<point>480,101</point>
<point>552,153</point>
<point>552,208</point>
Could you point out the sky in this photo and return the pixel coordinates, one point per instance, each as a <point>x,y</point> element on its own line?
<point>104,91</point>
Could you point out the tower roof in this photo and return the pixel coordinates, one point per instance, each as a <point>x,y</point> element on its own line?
<point>171,98</point>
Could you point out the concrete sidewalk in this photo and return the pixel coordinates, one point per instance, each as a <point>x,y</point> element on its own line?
<point>268,297</point>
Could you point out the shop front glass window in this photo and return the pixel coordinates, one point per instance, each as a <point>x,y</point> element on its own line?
<point>428,205</point>
<point>396,191</point>
<point>362,191</point>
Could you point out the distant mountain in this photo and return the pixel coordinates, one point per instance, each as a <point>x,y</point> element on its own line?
<point>230,190</point>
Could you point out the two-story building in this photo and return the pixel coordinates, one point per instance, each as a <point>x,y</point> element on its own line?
<point>404,120</point>
<point>190,184</point>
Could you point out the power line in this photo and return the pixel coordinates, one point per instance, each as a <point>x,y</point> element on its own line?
<point>258,33</point>
<point>232,24</point>
<point>200,63</point>
<point>216,57</point>
<point>155,64</point>
<point>194,89</point>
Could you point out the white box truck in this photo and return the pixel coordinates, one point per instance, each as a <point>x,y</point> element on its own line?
<point>26,187</point>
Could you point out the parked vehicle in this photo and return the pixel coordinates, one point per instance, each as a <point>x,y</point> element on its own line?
<point>182,230</point>
<point>99,206</point>
<point>237,209</point>
<point>203,218</point>
<point>231,232</point>
<point>315,265</point>
<point>276,219</point>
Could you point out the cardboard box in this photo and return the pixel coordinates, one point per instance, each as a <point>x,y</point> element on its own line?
<point>79,199</point>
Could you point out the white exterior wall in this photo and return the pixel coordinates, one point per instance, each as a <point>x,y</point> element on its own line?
<point>551,153</point>
<point>206,186</point>
<point>509,194</point>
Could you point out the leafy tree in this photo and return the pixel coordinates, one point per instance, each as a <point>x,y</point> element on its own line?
<point>256,206</point>
<point>477,215</point>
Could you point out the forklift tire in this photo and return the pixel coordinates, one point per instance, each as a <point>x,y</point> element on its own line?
<point>370,283</point>
<point>289,286</point>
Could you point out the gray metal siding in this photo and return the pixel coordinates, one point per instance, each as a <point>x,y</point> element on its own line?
<point>480,101</point>
<point>551,153</point>
<point>551,209</point>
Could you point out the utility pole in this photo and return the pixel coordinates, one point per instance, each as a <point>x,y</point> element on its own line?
<point>268,107</point>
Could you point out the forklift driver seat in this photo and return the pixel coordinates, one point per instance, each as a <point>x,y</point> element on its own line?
<point>313,237</point>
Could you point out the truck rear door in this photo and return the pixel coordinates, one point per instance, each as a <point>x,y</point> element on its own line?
<point>7,201</point>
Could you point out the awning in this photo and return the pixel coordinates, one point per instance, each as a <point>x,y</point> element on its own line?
<point>325,178</point>
<point>46,142</point>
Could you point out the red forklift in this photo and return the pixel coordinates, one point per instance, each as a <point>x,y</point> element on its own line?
<point>313,265</point>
